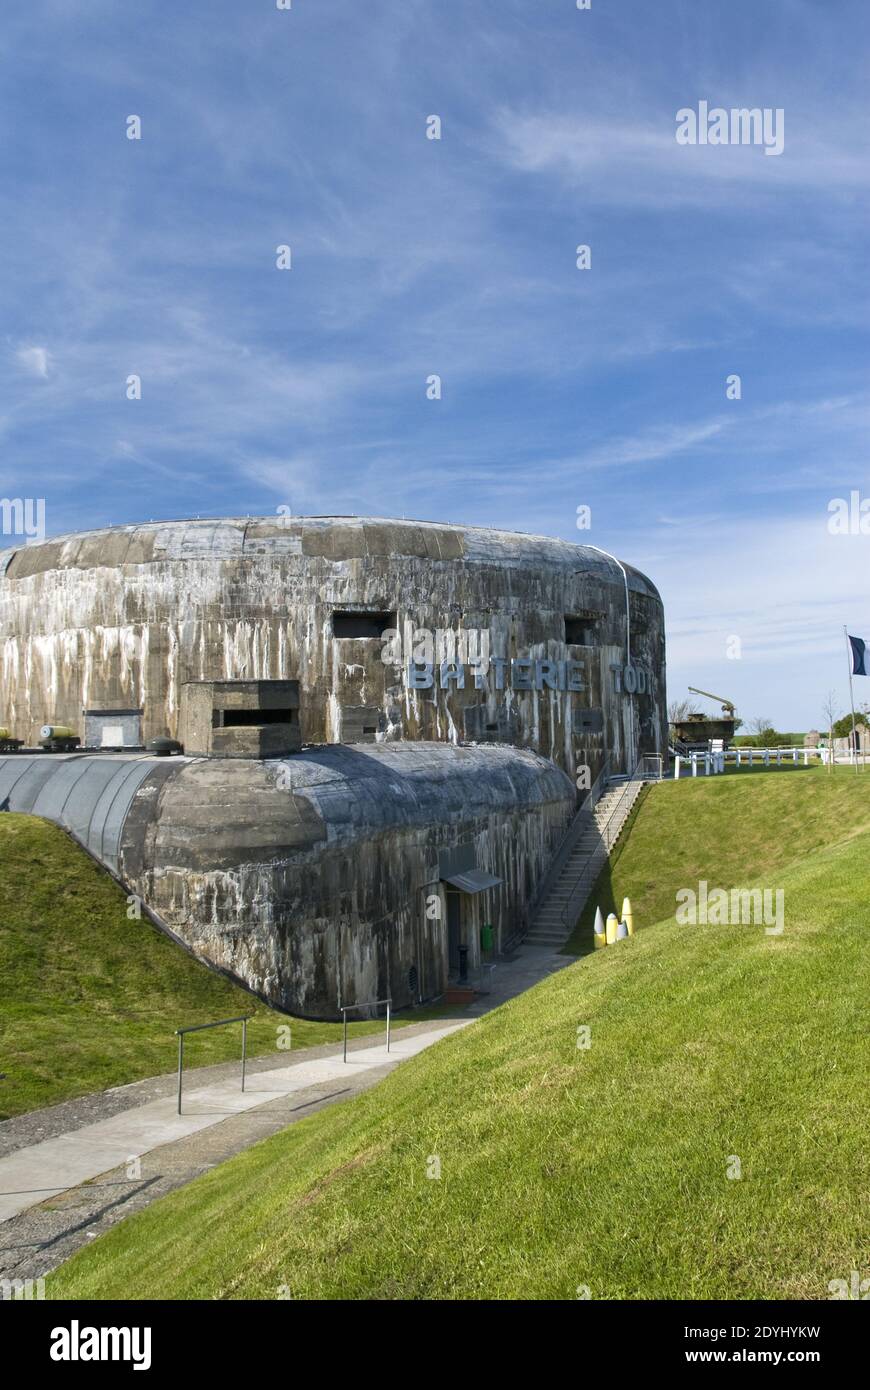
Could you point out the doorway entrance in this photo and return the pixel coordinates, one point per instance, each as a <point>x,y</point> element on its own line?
<point>454,931</point>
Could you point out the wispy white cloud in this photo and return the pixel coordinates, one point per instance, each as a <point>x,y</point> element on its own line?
<point>34,360</point>
<point>653,444</point>
<point>633,162</point>
<point>457,257</point>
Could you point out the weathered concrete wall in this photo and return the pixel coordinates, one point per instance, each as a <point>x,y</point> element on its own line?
<point>211,718</point>
<point>312,879</point>
<point>122,617</point>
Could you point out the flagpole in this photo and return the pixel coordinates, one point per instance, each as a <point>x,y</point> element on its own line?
<point>851,695</point>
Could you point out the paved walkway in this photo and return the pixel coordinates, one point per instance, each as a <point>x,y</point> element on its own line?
<point>508,978</point>
<point>66,1173</point>
<point>31,1174</point>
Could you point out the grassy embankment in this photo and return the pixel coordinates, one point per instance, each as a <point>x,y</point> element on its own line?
<point>728,830</point>
<point>713,1050</point>
<point>90,999</point>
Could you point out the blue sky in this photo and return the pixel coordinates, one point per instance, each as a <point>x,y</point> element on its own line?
<point>412,257</point>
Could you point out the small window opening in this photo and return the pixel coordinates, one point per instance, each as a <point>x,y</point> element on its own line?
<point>579,632</point>
<point>236,718</point>
<point>366,625</point>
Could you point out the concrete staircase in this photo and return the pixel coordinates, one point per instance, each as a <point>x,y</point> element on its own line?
<point>582,866</point>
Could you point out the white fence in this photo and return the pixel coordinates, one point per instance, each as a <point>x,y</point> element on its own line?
<point>708,764</point>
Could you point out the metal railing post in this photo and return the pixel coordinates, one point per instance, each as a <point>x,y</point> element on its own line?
<point>200,1028</point>
<point>581,819</point>
<point>608,834</point>
<point>367,1004</point>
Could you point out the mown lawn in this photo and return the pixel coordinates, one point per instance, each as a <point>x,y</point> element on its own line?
<point>710,1143</point>
<point>726,830</point>
<point>90,999</point>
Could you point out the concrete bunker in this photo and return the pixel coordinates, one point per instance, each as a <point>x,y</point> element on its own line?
<point>239,719</point>
<point>386,726</point>
<point>125,618</point>
<point>325,877</point>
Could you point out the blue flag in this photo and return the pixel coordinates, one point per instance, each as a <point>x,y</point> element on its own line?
<point>860,657</point>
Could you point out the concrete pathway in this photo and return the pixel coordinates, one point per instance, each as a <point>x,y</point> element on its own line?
<point>65,1171</point>
<point>505,979</point>
<point>39,1171</point>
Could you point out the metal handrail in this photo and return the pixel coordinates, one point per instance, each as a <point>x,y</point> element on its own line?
<point>605,843</point>
<point>367,1004</point>
<point>572,834</point>
<point>198,1028</point>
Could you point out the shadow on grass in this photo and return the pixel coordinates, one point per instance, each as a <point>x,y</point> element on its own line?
<point>603,893</point>
<point>580,941</point>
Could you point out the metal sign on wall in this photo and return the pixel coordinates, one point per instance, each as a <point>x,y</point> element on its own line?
<point>524,673</point>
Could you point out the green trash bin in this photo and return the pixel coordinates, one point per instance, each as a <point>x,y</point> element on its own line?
<point>486,937</point>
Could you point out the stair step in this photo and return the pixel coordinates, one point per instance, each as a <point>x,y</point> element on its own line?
<point>459,994</point>
<point>552,924</point>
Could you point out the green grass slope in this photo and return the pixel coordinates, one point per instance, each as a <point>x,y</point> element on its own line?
<point>727,830</point>
<point>566,1169</point>
<point>90,999</point>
